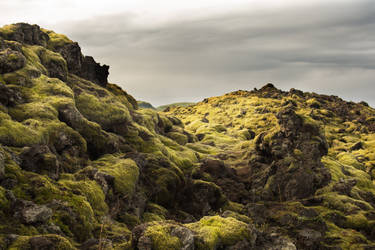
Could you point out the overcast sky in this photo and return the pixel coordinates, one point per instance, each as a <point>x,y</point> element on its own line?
<point>171,51</point>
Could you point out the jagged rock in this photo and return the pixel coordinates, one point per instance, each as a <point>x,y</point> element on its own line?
<point>8,96</point>
<point>278,167</point>
<point>11,60</point>
<point>356,146</point>
<point>94,72</point>
<point>40,159</point>
<point>77,64</point>
<point>26,33</point>
<point>55,65</point>
<point>274,241</point>
<point>344,186</point>
<point>106,181</point>
<point>224,177</point>
<point>85,67</point>
<point>98,141</point>
<point>31,213</point>
<point>71,52</point>
<point>308,237</point>
<point>202,196</point>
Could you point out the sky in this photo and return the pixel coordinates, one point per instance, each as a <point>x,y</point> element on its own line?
<point>175,51</point>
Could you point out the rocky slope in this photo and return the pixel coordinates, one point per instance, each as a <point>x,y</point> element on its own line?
<point>83,167</point>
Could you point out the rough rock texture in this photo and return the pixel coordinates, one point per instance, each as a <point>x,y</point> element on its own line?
<point>276,164</point>
<point>11,60</point>
<point>8,96</point>
<point>31,213</point>
<point>26,33</point>
<point>94,71</point>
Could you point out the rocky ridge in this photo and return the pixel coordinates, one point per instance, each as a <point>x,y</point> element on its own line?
<point>82,166</point>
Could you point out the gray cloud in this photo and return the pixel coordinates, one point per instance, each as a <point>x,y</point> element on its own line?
<point>326,48</point>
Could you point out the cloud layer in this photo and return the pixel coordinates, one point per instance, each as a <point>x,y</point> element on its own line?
<point>326,48</point>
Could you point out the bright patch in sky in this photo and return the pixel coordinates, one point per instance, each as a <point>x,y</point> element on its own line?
<point>52,12</point>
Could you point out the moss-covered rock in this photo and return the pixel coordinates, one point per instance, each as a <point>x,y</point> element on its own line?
<point>48,241</point>
<point>215,232</point>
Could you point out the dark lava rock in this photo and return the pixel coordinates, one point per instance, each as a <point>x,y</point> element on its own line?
<point>277,172</point>
<point>40,159</point>
<point>357,146</point>
<point>344,186</point>
<point>225,177</point>
<point>26,33</point>
<point>56,67</point>
<point>31,213</point>
<point>8,96</point>
<point>202,196</point>
<point>94,72</point>
<point>11,60</point>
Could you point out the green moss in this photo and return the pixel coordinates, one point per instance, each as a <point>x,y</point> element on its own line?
<point>6,30</point>
<point>125,171</point>
<point>149,217</point>
<point>56,41</point>
<point>55,61</point>
<point>129,219</point>
<point>173,105</point>
<point>59,242</point>
<point>156,209</point>
<point>16,134</point>
<point>92,191</point>
<point>81,223</point>
<point>117,233</point>
<point>31,53</point>
<point>105,113</point>
<point>238,216</point>
<point>123,96</point>
<point>350,160</point>
<point>357,221</point>
<point>345,238</point>
<point>214,231</point>
<point>160,234</point>
<point>178,137</point>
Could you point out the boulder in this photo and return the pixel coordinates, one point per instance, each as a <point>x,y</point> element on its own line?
<point>277,171</point>
<point>9,96</point>
<point>31,213</point>
<point>26,33</point>
<point>147,236</point>
<point>94,72</point>
<point>11,60</point>
<point>40,159</point>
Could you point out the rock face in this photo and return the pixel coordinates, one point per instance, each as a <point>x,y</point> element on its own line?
<point>26,33</point>
<point>41,160</point>
<point>278,171</point>
<point>31,213</point>
<point>82,166</point>
<point>94,71</point>
<point>84,66</point>
<point>11,60</point>
<point>8,96</point>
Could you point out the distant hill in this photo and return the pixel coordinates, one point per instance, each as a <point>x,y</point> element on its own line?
<point>145,105</point>
<point>172,105</point>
